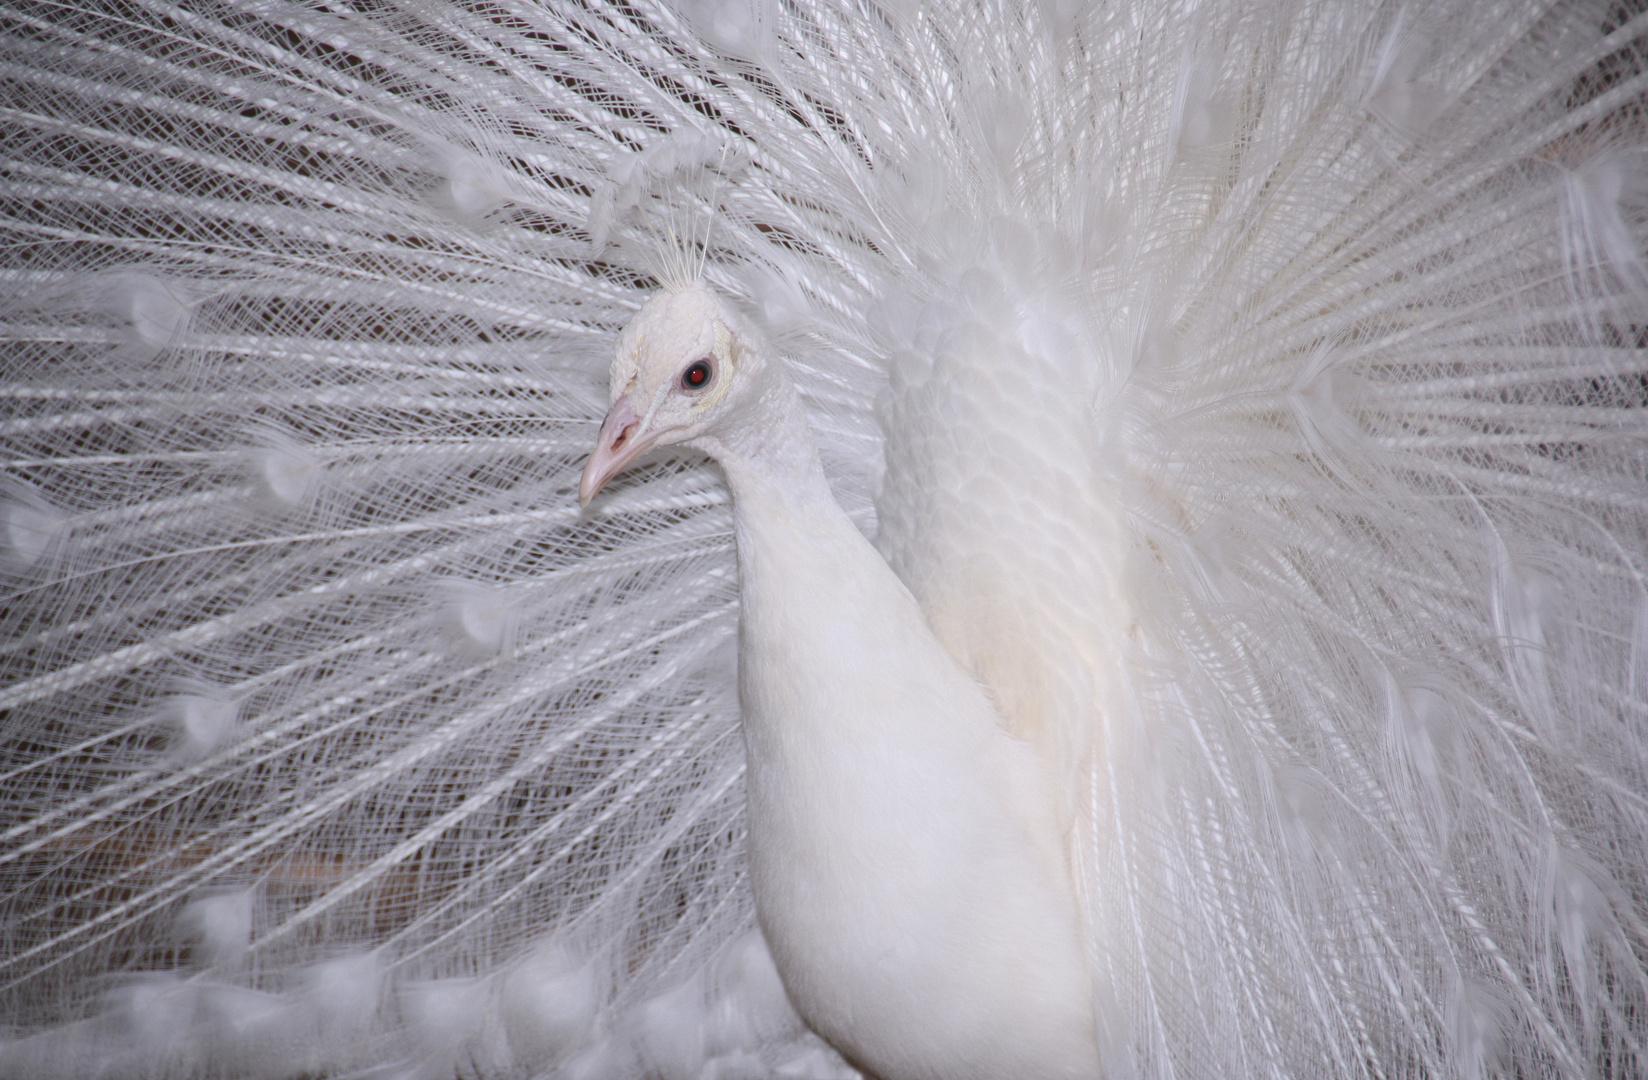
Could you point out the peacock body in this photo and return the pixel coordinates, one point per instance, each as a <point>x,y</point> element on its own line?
<point>1253,397</point>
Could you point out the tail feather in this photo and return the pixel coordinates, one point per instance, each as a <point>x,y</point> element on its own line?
<point>1253,398</point>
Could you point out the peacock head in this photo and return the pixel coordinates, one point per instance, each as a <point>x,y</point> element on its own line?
<point>683,368</point>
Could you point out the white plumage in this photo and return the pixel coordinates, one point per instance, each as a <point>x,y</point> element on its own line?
<point>905,852</point>
<point>1251,397</point>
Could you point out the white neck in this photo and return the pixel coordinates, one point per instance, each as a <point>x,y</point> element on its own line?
<point>769,454</point>
<point>905,855</point>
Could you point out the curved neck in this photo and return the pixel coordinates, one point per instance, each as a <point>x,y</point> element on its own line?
<point>904,850</point>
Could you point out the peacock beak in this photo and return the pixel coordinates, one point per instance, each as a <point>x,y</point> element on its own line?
<point>620,442</point>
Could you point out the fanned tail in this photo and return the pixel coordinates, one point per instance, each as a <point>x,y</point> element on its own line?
<point>1277,454</point>
<point>1261,417</point>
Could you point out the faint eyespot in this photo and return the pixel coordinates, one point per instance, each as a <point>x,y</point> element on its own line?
<point>220,925</point>
<point>698,376</point>
<point>480,620</point>
<point>30,527</point>
<point>199,722</point>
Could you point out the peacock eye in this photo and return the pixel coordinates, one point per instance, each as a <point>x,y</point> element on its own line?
<point>698,376</point>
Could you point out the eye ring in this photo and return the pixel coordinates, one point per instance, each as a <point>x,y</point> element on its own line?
<point>698,376</point>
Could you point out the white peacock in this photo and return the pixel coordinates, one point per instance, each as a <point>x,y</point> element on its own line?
<point>1244,401</point>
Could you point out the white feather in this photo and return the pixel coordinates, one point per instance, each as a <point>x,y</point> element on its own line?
<point>1251,395</point>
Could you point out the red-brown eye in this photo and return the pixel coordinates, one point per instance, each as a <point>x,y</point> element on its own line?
<point>697,376</point>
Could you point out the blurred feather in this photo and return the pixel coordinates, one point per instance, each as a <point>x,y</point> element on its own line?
<point>1252,394</point>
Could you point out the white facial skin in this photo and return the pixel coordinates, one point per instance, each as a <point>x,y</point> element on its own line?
<point>684,367</point>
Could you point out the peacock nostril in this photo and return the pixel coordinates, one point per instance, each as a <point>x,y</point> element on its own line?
<point>623,438</point>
